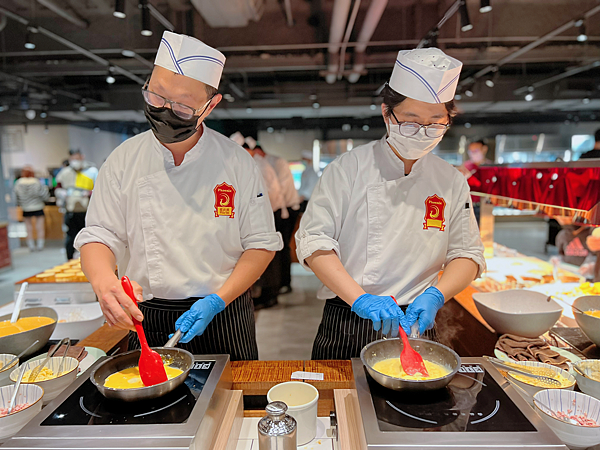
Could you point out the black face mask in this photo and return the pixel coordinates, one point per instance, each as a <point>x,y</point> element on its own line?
<point>167,127</point>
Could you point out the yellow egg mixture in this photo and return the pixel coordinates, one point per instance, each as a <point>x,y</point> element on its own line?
<point>392,367</point>
<point>24,324</point>
<point>130,378</point>
<point>595,313</point>
<point>564,382</point>
<point>44,375</point>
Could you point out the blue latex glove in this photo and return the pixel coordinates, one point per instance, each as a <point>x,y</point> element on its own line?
<point>424,308</point>
<point>379,309</point>
<point>193,322</point>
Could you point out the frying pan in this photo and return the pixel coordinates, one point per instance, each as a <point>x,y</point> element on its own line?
<point>382,349</point>
<point>182,360</point>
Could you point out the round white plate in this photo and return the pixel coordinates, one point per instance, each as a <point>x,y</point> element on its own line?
<point>94,354</point>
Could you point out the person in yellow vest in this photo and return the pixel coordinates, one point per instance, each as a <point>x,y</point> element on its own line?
<point>74,186</point>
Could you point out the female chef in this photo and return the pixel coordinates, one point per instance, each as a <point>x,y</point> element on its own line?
<point>182,210</point>
<point>387,216</point>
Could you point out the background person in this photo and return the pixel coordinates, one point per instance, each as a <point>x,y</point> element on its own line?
<point>308,180</point>
<point>31,196</point>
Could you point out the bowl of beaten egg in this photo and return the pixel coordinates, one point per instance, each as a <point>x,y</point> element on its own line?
<point>34,323</point>
<point>382,361</point>
<point>49,377</point>
<point>528,387</point>
<point>590,321</point>
<point>6,367</point>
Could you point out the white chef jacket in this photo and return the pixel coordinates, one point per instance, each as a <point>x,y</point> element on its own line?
<point>286,180</point>
<point>374,217</point>
<point>163,222</point>
<point>272,183</point>
<point>308,182</point>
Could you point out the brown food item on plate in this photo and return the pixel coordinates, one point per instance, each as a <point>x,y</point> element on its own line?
<point>530,349</point>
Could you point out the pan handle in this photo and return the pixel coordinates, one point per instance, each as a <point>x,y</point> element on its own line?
<point>175,339</point>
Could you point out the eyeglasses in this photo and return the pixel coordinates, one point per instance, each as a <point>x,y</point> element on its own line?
<point>433,131</point>
<point>179,109</point>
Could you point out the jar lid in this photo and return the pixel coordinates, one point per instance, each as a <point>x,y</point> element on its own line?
<point>276,408</point>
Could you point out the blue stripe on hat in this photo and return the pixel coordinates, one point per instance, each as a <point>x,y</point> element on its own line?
<point>172,53</point>
<point>449,84</point>
<point>201,58</point>
<point>421,79</point>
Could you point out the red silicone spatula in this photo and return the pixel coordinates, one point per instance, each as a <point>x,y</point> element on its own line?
<point>411,361</point>
<point>152,369</point>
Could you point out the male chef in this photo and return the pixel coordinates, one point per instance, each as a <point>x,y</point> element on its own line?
<point>385,218</point>
<point>182,211</point>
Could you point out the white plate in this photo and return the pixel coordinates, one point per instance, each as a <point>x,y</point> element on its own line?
<point>94,354</point>
<point>561,351</point>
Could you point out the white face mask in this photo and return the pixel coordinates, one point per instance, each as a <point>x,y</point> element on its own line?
<point>76,164</point>
<point>413,147</point>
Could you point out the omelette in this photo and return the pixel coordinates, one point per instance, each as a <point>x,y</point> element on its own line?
<point>392,368</point>
<point>130,378</point>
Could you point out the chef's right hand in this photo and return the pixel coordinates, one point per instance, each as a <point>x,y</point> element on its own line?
<point>116,304</point>
<point>379,309</point>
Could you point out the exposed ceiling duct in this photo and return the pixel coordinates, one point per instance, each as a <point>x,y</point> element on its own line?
<point>339,17</point>
<point>230,13</point>
<point>372,19</point>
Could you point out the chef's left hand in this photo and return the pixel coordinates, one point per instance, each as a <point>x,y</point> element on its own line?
<point>424,308</point>
<point>192,323</point>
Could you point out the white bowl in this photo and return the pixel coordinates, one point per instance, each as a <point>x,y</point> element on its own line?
<point>5,370</point>
<point>527,391</point>
<point>587,385</point>
<point>517,311</point>
<point>54,386</point>
<point>88,317</point>
<point>28,393</point>
<point>574,436</point>
<point>590,325</point>
<point>302,401</point>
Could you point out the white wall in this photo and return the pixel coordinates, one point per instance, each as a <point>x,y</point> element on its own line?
<point>288,144</point>
<point>95,146</point>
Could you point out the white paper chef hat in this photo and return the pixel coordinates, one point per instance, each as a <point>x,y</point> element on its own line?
<point>237,137</point>
<point>190,57</point>
<point>426,74</point>
<point>251,142</point>
<point>307,154</point>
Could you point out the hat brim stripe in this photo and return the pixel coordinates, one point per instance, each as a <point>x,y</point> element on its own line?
<point>201,58</point>
<point>172,53</point>
<point>449,84</point>
<point>420,78</point>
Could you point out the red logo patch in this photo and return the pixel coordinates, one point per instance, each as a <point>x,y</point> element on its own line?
<point>224,200</point>
<point>434,213</point>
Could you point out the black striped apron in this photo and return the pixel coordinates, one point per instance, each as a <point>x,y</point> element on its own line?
<point>343,334</point>
<point>232,331</point>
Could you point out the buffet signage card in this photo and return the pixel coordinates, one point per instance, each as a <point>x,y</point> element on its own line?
<point>307,376</point>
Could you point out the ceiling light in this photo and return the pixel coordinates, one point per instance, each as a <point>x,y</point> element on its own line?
<point>373,107</point>
<point>110,79</point>
<point>43,114</point>
<point>366,127</point>
<point>485,6</point>
<point>316,105</point>
<point>346,127</point>
<point>489,83</point>
<point>468,125</point>
<point>270,130</point>
<point>248,109</point>
<point>29,45</point>
<point>457,97</point>
<point>128,53</point>
<point>312,97</point>
<point>30,114</point>
<point>582,36</point>
<point>120,9</point>
<point>83,108</point>
<point>469,93</point>
<point>578,22</point>
<point>465,23</point>
<point>530,88</point>
<point>146,31</point>
<point>96,129</point>
<point>528,97</point>
<point>586,100</point>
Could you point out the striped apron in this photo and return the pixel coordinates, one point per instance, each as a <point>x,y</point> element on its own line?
<point>342,334</point>
<point>232,331</point>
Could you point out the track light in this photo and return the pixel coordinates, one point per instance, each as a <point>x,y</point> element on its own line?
<point>528,97</point>
<point>582,36</point>
<point>485,6</point>
<point>110,79</point>
<point>465,23</point>
<point>489,83</point>
<point>29,44</point>
<point>469,93</point>
<point>146,31</point>
<point>119,9</point>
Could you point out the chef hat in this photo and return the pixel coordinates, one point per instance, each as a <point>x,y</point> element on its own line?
<point>251,142</point>
<point>306,154</point>
<point>426,74</point>
<point>190,57</point>
<point>237,137</point>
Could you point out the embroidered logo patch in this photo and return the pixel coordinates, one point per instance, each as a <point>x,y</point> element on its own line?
<point>224,200</point>
<point>434,213</point>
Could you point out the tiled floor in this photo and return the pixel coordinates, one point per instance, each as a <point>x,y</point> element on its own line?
<point>249,436</point>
